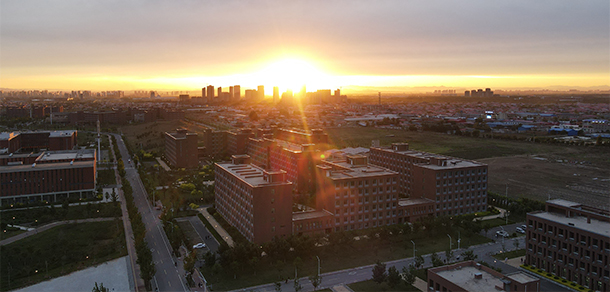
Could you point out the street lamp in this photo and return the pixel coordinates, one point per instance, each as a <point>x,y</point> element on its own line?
<point>318,265</point>
<point>450,243</point>
<point>459,239</point>
<point>413,247</point>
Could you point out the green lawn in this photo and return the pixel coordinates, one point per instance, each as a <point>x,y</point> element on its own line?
<point>190,232</point>
<point>358,253</point>
<point>106,177</point>
<point>510,254</point>
<point>42,215</point>
<point>371,286</point>
<point>60,251</point>
<point>9,232</point>
<point>452,145</point>
<point>496,222</point>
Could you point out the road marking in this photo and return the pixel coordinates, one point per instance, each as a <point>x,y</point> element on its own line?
<point>165,272</point>
<point>170,284</point>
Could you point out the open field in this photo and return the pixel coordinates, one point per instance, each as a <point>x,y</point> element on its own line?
<point>60,251</point>
<point>149,135</point>
<point>529,169</point>
<point>538,179</point>
<point>42,215</point>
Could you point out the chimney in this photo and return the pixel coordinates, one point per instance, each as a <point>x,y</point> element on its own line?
<point>478,275</point>
<point>240,159</point>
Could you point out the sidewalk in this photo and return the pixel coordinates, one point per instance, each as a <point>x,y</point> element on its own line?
<point>163,164</point>
<point>223,233</point>
<point>32,231</point>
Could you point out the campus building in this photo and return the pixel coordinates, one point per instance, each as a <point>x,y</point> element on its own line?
<point>11,142</point>
<point>48,176</point>
<point>181,149</point>
<point>571,241</point>
<point>358,194</point>
<point>474,277</point>
<point>457,186</point>
<point>257,202</point>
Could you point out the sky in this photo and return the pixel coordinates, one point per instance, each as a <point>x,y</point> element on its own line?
<point>188,44</point>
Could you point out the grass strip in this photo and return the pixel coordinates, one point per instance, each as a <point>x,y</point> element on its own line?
<point>556,279</point>
<point>210,228</point>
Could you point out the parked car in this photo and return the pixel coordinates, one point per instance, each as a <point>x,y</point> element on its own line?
<point>520,230</point>
<point>501,233</point>
<point>199,245</point>
<point>524,227</point>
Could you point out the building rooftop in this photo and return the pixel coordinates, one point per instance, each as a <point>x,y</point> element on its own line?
<point>413,201</point>
<point>452,163</point>
<point>50,156</point>
<point>465,278</point>
<point>296,216</point>
<point>580,222</point>
<point>63,133</point>
<point>343,169</point>
<point>250,174</point>
<point>521,277</point>
<point>46,166</point>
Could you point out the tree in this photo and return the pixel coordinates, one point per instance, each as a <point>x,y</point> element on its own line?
<point>379,272</point>
<point>297,285</point>
<point>277,286</point>
<point>516,243</point>
<point>409,274</point>
<point>448,255</point>
<point>315,280</point>
<point>419,261</point>
<point>436,260</point>
<point>469,255</point>
<point>393,276</point>
<point>101,288</point>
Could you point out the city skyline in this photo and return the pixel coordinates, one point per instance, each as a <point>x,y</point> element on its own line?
<point>186,45</point>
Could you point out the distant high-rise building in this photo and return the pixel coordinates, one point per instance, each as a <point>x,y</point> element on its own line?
<point>276,94</point>
<point>467,93</point>
<point>231,92</point>
<point>219,94</point>
<point>237,92</point>
<point>210,91</point>
<point>250,94</point>
<point>473,93</point>
<point>261,91</point>
<point>203,92</point>
<point>337,93</point>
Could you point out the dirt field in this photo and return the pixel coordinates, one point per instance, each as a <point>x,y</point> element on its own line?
<point>539,176</point>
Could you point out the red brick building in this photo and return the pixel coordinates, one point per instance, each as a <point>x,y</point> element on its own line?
<point>49,140</point>
<point>255,201</point>
<point>571,241</point>
<point>53,176</point>
<point>359,195</point>
<point>181,149</point>
<point>457,186</point>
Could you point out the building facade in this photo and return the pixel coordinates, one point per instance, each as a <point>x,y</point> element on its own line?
<point>457,186</point>
<point>359,195</point>
<point>181,149</point>
<point>571,241</point>
<point>51,176</point>
<point>258,203</point>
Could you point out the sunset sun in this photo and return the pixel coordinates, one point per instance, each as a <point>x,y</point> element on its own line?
<point>293,74</point>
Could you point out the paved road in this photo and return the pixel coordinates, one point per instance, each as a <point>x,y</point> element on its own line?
<point>205,235</point>
<point>168,276</point>
<point>49,226</point>
<point>363,273</point>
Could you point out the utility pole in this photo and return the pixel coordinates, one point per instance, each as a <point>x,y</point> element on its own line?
<point>506,207</point>
<point>450,243</point>
<point>413,248</point>
<point>459,239</point>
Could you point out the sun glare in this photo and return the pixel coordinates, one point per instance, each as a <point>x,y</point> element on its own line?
<point>293,74</point>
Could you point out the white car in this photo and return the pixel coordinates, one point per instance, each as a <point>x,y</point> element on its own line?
<point>199,245</point>
<point>501,233</point>
<point>520,230</point>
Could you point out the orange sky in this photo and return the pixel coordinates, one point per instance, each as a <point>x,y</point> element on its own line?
<point>185,45</point>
